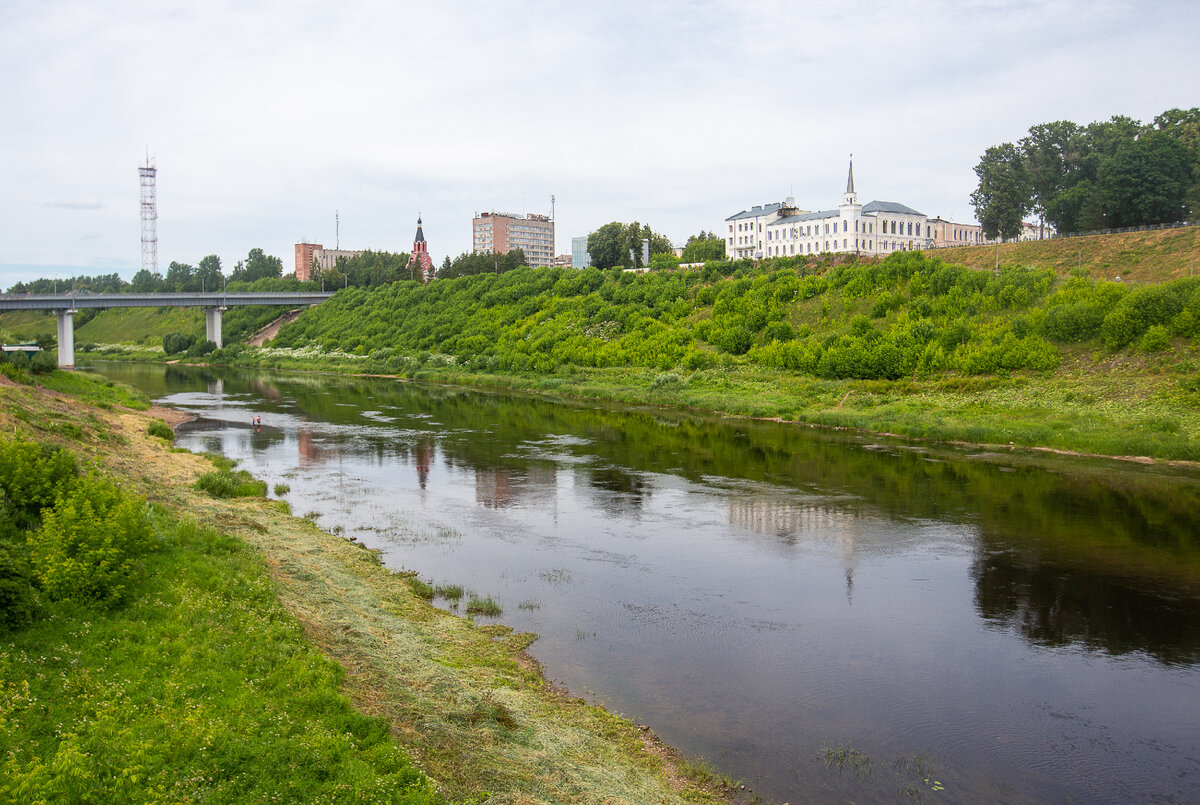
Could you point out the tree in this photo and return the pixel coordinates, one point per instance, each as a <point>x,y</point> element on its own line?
<point>1146,181</point>
<point>256,267</point>
<point>703,247</point>
<point>1003,195</point>
<point>607,245</point>
<point>146,282</point>
<point>208,273</point>
<point>621,244</point>
<point>180,278</point>
<point>1184,125</point>
<point>1046,152</point>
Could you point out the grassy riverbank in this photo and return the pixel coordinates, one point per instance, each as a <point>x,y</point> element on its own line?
<point>258,657</point>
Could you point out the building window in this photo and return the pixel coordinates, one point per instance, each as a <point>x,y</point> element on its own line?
<point>845,225</point>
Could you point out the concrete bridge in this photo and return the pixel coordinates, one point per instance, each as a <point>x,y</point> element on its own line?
<point>67,305</point>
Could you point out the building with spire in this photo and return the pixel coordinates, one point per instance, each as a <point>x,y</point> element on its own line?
<point>419,261</point>
<point>877,228</point>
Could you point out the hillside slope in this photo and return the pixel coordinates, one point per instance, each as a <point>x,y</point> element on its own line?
<point>1152,256</point>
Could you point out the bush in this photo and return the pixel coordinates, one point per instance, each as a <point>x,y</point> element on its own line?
<point>88,544</point>
<point>1156,339</point>
<point>201,348</point>
<point>32,478</point>
<point>227,484</point>
<point>161,429</point>
<point>175,343</point>
<point>18,600</point>
<point>43,361</point>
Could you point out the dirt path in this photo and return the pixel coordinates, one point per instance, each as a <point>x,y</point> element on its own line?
<point>271,330</point>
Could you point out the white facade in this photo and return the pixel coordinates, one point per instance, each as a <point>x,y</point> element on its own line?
<point>1035,232</point>
<point>782,230</point>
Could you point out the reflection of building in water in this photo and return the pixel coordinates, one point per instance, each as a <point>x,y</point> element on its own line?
<point>424,460</point>
<point>791,521</point>
<point>780,517</point>
<point>498,487</point>
<point>312,450</point>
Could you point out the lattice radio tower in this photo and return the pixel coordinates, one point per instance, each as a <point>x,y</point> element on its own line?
<point>149,177</point>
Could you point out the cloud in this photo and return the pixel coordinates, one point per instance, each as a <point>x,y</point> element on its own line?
<point>266,117</point>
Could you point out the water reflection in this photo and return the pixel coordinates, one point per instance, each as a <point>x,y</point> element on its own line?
<point>756,590</point>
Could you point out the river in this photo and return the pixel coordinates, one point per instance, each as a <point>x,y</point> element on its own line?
<point>826,616</point>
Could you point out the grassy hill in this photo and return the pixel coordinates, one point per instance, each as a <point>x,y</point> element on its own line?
<point>1153,256</point>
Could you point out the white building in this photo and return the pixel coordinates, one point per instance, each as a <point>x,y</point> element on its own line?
<point>779,230</point>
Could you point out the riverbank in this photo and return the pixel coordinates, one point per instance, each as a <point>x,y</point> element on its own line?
<point>1126,407</point>
<point>460,698</point>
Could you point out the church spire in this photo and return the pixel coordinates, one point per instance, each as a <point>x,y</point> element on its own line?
<point>850,197</point>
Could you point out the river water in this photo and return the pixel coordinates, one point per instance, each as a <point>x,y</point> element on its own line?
<point>828,617</point>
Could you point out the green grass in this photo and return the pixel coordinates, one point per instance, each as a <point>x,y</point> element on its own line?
<point>201,689</point>
<point>139,325</point>
<point>227,484</point>
<point>451,592</point>
<point>161,429</point>
<point>93,388</point>
<point>483,606</point>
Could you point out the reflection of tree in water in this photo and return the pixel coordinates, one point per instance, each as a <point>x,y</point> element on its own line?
<point>1055,605</point>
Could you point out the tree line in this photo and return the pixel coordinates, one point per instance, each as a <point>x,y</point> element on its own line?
<point>1111,174</point>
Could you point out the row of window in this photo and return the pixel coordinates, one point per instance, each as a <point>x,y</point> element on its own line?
<point>809,248</point>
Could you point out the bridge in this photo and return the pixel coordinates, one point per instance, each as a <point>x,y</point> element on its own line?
<point>67,305</point>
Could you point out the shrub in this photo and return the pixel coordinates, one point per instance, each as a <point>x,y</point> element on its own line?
<point>227,484</point>
<point>87,547</point>
<point>43,361</point>
<point>32,478</point>
<point>175,343</point>
<point>17,598</point>
<point>1156,339</point>
<point>201,348</point>
<point>161,429</point>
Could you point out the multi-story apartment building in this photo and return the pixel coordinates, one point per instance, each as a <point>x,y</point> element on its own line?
<point>501,232</point>
<point>308,254</point>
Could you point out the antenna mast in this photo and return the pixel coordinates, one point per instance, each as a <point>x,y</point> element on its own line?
<point>148,176</point>
<point>337,231</point>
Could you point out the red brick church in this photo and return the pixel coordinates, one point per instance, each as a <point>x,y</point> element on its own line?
<point>420,264</point>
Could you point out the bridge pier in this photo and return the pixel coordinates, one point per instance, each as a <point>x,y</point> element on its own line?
<point>66,338</point>
<point>212,325</point>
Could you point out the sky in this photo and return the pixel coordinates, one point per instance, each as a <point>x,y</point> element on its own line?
<point>268,120</point>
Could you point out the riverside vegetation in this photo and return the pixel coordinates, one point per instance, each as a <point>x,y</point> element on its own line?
<point>163,637</point>
<point>908,345</point>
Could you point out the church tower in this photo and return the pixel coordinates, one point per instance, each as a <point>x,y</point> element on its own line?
<point>850,215</point>
<point>850,197</point>
<point>419,262</point>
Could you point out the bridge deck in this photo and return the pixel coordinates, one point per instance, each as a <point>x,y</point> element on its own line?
<point>101,300</point>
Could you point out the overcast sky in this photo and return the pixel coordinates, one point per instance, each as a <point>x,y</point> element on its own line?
<point>265,118</point>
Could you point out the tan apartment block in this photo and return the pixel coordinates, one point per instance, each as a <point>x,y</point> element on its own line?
<point>502,232</point>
